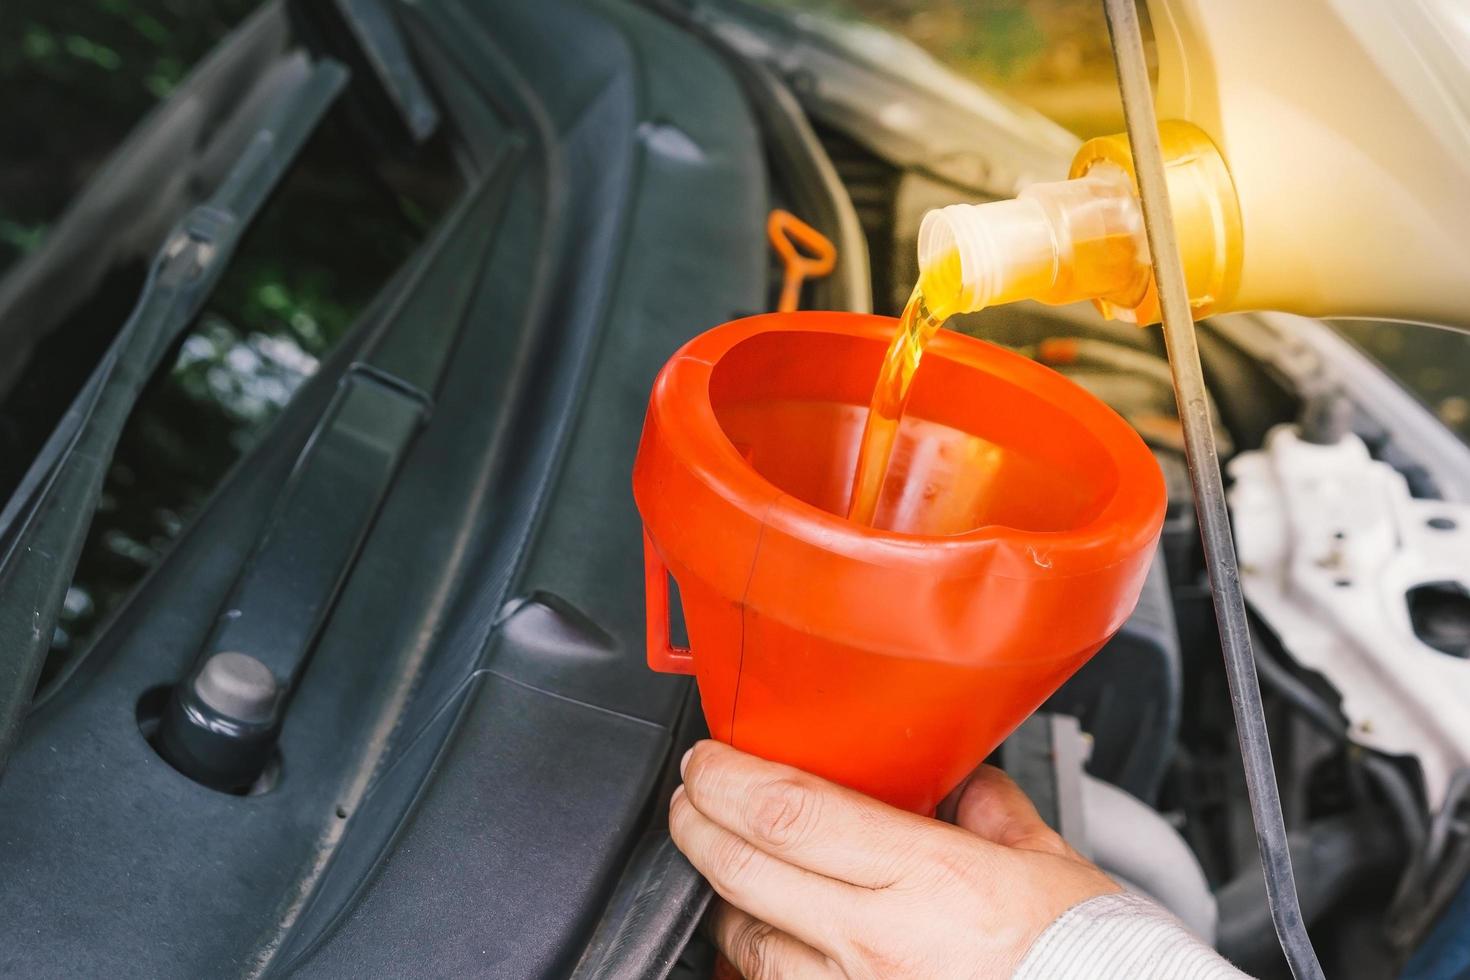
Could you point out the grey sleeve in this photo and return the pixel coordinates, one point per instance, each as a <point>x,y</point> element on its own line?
<point>1121,937</point>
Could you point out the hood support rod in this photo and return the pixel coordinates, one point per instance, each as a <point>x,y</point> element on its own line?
<point>1209,490</point>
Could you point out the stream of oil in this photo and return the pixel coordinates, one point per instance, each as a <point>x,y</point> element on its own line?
<point>938,295</point>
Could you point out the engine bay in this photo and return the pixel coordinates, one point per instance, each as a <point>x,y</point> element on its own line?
<point>472,773</point>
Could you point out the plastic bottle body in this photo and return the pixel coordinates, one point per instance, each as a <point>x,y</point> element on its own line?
<point>1321,167</point>
<point>1344,126</point>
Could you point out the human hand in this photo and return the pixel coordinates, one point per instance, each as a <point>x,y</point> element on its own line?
<point>821,881</point>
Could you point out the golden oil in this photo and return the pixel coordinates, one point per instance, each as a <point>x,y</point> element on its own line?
<point>1056,243</point>
<point>939,294</point>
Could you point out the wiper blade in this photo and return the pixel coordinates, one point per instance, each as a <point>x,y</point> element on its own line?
<point>377,33</point>
<point>43,526</point>
<point>366,35</point>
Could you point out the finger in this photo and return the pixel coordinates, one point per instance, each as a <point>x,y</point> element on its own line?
<point>992,806</point>
<point>802,819</point>
<point>762,952</point>
<point>794,900</point>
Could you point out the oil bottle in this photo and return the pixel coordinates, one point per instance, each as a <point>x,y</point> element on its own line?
<point>1318,160</point>
<point>1318,157</point>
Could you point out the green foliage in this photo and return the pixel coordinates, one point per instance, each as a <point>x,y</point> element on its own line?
<point>1003,36</point>
<point>19,237</point>
<point>88,50</point>
<point>1050,54</point>
<point>77,76</point>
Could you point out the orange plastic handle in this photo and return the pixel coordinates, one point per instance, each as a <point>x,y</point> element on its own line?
<point>662,654</point>
<point>786,231</point>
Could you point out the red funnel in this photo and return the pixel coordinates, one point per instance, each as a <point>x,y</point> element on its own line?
<point>1017,524</point>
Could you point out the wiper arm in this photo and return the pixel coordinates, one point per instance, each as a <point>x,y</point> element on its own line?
<point>43,526</point>
<point>366,35</point>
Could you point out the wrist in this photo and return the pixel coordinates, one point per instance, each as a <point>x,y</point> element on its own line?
<point>1121,936</point>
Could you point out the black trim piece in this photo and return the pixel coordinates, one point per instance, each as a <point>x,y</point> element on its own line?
<point>800,165</point>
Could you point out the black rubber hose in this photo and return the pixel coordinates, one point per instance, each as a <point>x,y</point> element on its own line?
<point>1438,873</point>
<point>1391,781</point>
<point>1401,797</point>
<point>1409,930</point>
<point>1443,823</point>
<point>1293,689</point>
<point>1333,858</point>
<point>1405,918</point>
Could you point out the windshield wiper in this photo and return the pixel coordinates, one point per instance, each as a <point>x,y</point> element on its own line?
<point>44,524</point>
<point>367,36</point>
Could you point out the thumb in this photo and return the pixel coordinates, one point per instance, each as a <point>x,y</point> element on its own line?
<point>991,805</point>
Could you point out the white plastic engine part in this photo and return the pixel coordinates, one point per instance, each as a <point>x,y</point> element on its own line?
<point>1331,543</point>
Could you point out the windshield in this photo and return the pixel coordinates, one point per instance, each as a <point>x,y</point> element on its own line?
<point>77,77</point>
<point>347,215</point>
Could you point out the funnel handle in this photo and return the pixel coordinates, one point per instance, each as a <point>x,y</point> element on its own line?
<point>663,656</point>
